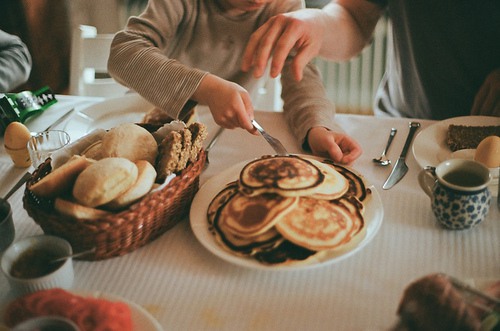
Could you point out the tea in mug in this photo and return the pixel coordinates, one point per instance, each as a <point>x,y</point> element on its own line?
<point>463,178</point>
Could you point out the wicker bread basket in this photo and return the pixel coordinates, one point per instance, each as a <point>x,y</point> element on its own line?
<point>123,232</point>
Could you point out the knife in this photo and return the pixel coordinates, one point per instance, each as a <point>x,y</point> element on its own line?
<point>400,168</point>
<point>60,119</point>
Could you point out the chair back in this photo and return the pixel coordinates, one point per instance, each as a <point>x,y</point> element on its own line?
<point>88,70</point>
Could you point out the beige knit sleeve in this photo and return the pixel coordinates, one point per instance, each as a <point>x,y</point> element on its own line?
<point>305,103</point>
<point>138,58</point>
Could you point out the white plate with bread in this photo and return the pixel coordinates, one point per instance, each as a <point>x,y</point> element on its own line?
<point>430,147</point>
<point>141,318</point>
<point>373,217</point>
<point>130,108</point>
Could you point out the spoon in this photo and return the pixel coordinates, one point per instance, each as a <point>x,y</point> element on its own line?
<point>20,183</point>
<point>383,160</point>
<point>63,258</point>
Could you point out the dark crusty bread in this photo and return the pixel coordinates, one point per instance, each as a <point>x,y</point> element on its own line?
<point>433,303</point>
<point>178,148</point>
<point>186,149</point>
<point>465,137</point>
<point>198,135</point>
<point>157,116</point>
<point>169,152</point>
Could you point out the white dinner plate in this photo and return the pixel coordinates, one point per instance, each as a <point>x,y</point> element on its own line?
<point>430,148</point>
<point>129,108</point>
<point>141,319</point>
<point>373,216</point>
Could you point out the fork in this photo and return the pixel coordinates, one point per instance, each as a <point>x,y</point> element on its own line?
<point>211,144</point>
<point>275,143</point>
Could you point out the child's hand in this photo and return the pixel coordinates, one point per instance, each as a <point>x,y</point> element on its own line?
<point>229,103</point>
<point>337,146</point>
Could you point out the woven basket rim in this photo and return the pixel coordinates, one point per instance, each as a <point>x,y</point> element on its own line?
<point>132,227</point>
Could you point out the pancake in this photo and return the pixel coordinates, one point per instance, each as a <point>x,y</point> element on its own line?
<point>246,216</point>
<point>288,176</point>
<point>286,253</point>
<point>357,186</point>
<point>335,184</point>
<point>235,244</point>
<point>319,224</point>
<point>285,210</point>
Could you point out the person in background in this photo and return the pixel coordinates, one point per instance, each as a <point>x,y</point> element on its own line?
<point>15,62</point>
<point>443,57</point>
<point>177,50</point>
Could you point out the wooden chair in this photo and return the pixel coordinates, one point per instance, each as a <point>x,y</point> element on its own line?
<point>88,69</point>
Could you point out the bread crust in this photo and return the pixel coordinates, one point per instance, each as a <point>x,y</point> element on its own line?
<point>61,180</point>
<point>76,210</point>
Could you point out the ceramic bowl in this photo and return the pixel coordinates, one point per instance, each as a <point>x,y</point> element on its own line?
<point>46,323</point>
<point>27,268</point>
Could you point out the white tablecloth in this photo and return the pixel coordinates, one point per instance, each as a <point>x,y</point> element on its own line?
<point>185,287</point>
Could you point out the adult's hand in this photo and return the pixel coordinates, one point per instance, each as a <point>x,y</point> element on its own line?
<point>335,145</point>
<point>487,100</point>
<point>229,103</point>
<point>337,32</point>
<point>298,31</point>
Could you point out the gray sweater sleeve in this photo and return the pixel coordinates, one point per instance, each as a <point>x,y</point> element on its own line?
<point>15,62</point>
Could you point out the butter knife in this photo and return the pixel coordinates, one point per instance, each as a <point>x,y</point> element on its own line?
<point>400,168</point>
<point>60,119</point>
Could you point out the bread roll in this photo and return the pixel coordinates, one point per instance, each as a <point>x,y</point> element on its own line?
<point>104,180</point>
<point>75,210</point>
<point>93,151</point>
<point>145,180</point>
<point>129,141</point>
<point>61,180</point>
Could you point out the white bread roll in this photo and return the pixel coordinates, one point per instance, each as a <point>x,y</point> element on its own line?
<point>75,210</point>
<point>61,179</point>
<point>93,151</point>
<point>104,180</point>
<point>144,183</point>
<point>130,141</point>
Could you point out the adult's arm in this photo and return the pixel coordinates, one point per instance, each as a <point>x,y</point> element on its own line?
<point>337,32</point>
<point>487,100</point>
<point>15,62</point>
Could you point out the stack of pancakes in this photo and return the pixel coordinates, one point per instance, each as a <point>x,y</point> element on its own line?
<point>286,209</point>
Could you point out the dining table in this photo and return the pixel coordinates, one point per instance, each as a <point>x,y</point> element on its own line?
<point>182,285</point>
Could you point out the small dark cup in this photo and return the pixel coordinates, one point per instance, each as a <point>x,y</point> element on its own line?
<point>7,230</point>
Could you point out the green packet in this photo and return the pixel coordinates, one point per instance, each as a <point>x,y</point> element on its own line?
<point>18,107</point>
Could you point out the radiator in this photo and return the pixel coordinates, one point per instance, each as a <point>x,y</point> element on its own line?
<point>352,85</point>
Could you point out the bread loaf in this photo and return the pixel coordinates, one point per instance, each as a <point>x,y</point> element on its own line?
<point>61,180</point>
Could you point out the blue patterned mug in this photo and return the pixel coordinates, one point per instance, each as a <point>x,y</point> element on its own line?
<point>460,198</point>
